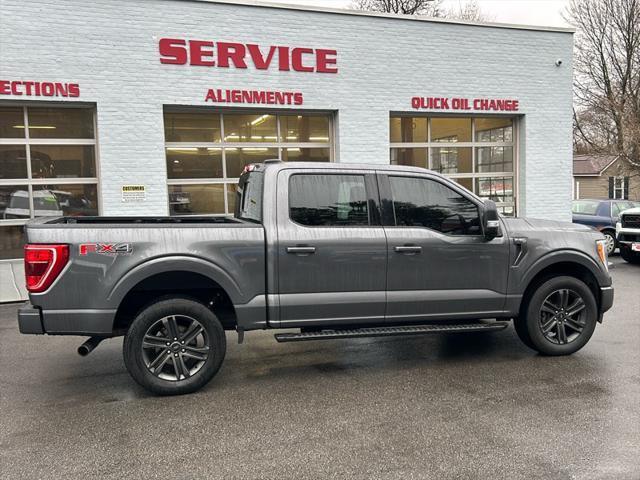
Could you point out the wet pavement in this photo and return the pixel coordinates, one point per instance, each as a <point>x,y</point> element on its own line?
<point>470,406</point>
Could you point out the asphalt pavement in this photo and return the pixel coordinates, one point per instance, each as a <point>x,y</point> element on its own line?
<point>466,406</point>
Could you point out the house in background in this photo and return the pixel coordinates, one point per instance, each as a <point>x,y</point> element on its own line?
<point>603,176</point>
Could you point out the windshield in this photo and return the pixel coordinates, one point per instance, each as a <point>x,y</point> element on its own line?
<point>249,197</point>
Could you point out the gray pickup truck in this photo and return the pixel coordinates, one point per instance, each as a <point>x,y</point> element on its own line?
<point>331,250</point>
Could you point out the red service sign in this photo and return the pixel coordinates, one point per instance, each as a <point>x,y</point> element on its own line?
<point>257,97</point>
<point>27,88</point>
<point>205,53</point>
<point>454,103</point>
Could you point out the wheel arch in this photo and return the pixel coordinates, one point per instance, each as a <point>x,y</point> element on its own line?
<point>578,266</point>
<point>180,276</point>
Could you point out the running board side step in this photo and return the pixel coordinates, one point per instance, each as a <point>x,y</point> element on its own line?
<point>389,331</point>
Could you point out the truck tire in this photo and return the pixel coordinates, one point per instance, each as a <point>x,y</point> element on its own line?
<point>629,256</point>
<point>520,325</point>
<point>174,346</point>
<point>559,316</point>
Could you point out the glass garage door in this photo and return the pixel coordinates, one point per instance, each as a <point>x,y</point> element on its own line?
<point>47,168</point>
<point>478,153</point>
<point>207,150</point>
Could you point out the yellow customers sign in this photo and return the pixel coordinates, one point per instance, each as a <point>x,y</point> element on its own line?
<point>133,193</point>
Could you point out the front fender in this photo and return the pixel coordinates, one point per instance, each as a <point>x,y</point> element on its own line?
<point>562,256</point>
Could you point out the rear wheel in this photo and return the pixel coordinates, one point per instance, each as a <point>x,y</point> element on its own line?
<point>174,346</point>
<point>559,318</point>
<point>610,241</point>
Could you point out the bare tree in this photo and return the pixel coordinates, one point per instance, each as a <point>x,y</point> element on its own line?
<point>469,10</point>
<point>607,77</point>
<point>431,8</point>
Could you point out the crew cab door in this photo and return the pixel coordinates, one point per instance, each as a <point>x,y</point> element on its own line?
<point>440,264</point>
<point>332,251</point>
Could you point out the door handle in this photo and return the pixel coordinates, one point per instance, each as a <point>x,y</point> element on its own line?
<point>300,250</point>
<point>408,249</point>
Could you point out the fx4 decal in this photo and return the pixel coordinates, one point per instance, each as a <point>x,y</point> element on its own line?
<point>106,248</point>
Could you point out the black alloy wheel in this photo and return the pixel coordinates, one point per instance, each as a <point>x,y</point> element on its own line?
<point>562,316</point>
<point>174,346</point>
<point>558,317</point>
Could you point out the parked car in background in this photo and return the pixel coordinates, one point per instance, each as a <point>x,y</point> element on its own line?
<point>601,215</point>
<point>628,235</point>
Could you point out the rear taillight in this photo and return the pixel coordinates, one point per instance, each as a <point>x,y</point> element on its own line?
<point>43,264</point>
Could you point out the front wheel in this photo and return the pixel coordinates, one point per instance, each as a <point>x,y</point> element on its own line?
<point>559,317</point>
<point>174,346</point>
<point>629,255</point>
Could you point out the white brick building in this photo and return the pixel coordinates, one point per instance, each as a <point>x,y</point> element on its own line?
<point>151,114</point>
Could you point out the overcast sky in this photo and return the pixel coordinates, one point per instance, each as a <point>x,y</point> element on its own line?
<point>529,12</point>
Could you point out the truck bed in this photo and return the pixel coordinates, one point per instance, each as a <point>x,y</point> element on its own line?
<point>201,220</point>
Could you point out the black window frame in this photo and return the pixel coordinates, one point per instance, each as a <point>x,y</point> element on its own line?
<point>388,212</point>
<point>371,192</point>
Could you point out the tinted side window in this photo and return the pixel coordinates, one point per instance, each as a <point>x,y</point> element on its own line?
<point>328,200</point>
<point>420,202</point>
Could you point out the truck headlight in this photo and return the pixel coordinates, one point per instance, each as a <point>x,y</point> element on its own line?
<point>601,250</point>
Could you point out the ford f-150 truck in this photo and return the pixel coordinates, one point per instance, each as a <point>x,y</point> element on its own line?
<point>330,250</point>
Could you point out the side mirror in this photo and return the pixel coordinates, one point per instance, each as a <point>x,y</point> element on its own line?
<point>490,220</point>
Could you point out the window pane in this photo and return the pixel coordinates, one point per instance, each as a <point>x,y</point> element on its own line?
<point>494,129</point>
<point>323,200</point>
<point>196,199</point>
<point>191,127</point>
<point>11,122</point>
<point>194,162</point>
<point>232,190</point>
<point>413,157</point>
<point>507,211</point>
<point>452,160</point>
<point>13,161</point>
<point>304,128</point>
<point>67,200</point>
<point>420,202</point>
<point>498,189</point>
<point>14,202</point>
<point>450,129</point>
<point>494,159</point>
<point>58,161</point>
<point>237,158</point>
<point>465,182</point>
<point>305,154</point>
<point>409,129</point>
<point>11,242</point>
<point>250,128</point>
<point>60,122</point>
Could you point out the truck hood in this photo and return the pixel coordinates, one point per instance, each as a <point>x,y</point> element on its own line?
<point>523,225</point>
<point>631,211</point>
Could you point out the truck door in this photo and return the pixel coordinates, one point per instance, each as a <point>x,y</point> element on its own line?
<point>440,264</point>
<point>332,251</point>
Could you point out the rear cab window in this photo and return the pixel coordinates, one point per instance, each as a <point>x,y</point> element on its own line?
<point>249,196</point>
